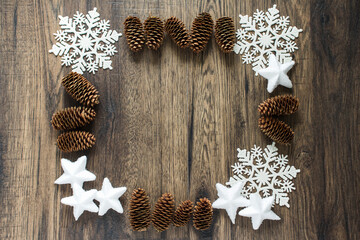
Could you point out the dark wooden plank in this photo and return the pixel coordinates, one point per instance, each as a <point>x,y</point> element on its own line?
<point>171,120</point>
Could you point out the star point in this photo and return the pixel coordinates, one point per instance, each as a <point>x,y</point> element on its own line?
<point>81,201</point>
<point>276,73</point>
<point>259,210</point>
<point>109,197</point>
<point>75,172</point>
<point>230,199</point>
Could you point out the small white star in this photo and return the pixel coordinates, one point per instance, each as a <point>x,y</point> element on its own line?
<point>259,210</point>
<point>109,197</point>
<point>276,73</point>
<point>75,172</point>
<point>81,201</point>
<point>230,199</point>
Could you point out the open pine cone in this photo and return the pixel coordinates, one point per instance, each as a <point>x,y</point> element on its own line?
<point>134,33</point>
<point>177,31</point>
<point>73,117</point>
<point>154,30</point>
<point>75,141</point>
<point>275,129</point>
<point>225,34</point>
<point>201,31</point>
<point>279,105</point>
<point>183,213</point>
<point>81,89</point>
<point>163,213</point>
<point>140,216</point>
<point>203,214</point>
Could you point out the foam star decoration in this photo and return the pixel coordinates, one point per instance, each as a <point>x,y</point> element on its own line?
<point>259,210</point>
<point>109,197</point>
<point>230,199</point>
<point>81,201</point>
<point>75,172</point>
<point>276,73</point>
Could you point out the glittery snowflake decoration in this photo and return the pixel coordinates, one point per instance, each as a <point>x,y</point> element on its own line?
<point>85,42</point>
<point>265,33</point>
<point>266,173</point>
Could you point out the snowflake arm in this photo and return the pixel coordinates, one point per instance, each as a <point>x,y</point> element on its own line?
<point>85,42</point>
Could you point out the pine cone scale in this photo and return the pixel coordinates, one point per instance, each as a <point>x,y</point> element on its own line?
<point>275,129</point>
<point>203,214</point>
<point>75,141</point>
<point>81,89</point>
<point>73,117</point>
<point>140,215</point>
<point>163,213</point>
<point>225,34</point>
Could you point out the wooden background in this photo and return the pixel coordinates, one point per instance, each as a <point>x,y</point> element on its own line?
<point>170,121</point>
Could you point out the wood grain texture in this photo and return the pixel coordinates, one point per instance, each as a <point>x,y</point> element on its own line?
<point>170,121</point>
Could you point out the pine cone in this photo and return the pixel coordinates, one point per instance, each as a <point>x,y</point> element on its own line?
<point>203,213</point>
<point>279,105</point>
<point>134,33</point>
<point>275,129</point>
<point>163,213</point>
<point>73,117</point>
<point>183,213</point>
<point>177,31</point>
<point>225,34</point>
<point>140,215</point>
<point>81,89</point>
<point>75,141</point>
<point>201,31</point>
<point>154,30</point>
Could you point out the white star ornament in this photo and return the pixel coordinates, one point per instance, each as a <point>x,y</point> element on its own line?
<point>75,172</point>
<point>259,210</point>
<point>230,199</point>
<point>276,73</point>
<point>109,197</point>
<point>81,201</point>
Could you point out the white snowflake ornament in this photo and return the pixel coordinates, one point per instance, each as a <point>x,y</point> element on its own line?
<point>81,201</point>
<point>75,172</point>
<point>276,73</point>
<point>230,199</point>
<point>259,210</point>
<point>265,33</point>
<point>109,197</point>
<point>85,42</point>
<point>266,173</point>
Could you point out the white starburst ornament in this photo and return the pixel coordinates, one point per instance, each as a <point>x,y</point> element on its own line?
<point>259,210</point>
<point>75,172</point>
<point>265,33</point>
<point>230,199</point>
<point>266,173</point>
<point>108,197</point>
<point>276,73</point>
<point>85,42</point>
<point>81,201</point>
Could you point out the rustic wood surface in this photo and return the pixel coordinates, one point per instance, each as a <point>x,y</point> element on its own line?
<point>170,121</point>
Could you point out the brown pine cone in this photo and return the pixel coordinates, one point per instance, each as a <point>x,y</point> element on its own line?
<point>201,31</point>
<point>75,141</point>
<point>81,89</point>
<point>140,215</point>
<point>183,213</point>
<point>225,34</point>
<point>177,31</point>
<point>279,105</point>
<point>134,33</point>
<point>163,213</point>
<point>203,213</point>
<point>154,30</point>
<point>276,130</point>
<point>73,117</point>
